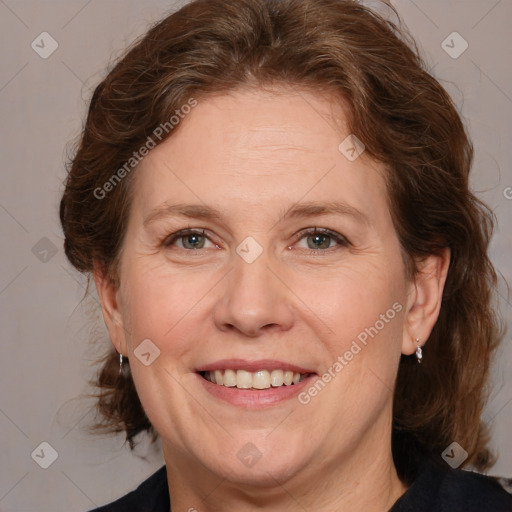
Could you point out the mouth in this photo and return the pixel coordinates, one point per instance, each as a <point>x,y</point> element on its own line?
<point>254,384</point>
<point>256,381</point>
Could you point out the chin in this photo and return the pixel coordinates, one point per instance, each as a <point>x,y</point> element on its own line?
<point>263,474</point>
<point>259,462</point>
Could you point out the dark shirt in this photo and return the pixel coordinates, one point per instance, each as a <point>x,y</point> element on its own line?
<point>152,495</point>
<point>435,489</point>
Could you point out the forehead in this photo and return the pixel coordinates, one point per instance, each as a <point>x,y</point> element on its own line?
<point>251,148</point>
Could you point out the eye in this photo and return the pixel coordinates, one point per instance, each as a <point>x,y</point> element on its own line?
<point>321,239</point>
<point>316,239</point>
<point>190,239</point>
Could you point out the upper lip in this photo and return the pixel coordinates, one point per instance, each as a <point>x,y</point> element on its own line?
<point>252,366</point>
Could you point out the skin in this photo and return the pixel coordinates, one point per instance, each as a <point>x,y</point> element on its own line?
<point>252,154</point>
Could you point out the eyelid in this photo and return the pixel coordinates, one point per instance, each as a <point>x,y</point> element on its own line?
<point>173,237</point>
<point>339,238</point>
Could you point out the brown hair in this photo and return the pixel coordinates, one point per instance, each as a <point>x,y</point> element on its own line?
<point>405,119</point>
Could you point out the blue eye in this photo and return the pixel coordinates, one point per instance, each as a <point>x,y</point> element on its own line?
<point>318,240</point>
<point>322,239</point>
<point>191,239</point>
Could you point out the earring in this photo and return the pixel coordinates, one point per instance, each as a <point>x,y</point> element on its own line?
<point>120,364</point>
<point>419,351</point>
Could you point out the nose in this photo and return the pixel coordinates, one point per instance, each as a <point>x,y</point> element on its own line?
<point>254,300</point>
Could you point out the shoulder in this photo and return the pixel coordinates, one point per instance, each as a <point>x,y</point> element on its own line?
<point>475,492</point>
<point>439,488</point>
<point>152,495</point>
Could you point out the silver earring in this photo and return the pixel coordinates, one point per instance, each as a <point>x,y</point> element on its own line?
<point>120,364</point>
<point>419,351</point>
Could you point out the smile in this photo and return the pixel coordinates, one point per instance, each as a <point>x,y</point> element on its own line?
<point>256,384</point>
<point>261,379</point>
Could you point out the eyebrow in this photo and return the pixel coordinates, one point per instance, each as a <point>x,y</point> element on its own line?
<point>319,208</point>
<point>297,210</point>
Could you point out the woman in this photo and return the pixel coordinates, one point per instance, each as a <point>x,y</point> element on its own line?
<point>272,198</point>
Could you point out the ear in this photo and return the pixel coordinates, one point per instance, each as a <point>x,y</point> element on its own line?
<point>424,300</point>
<point>108,293</point>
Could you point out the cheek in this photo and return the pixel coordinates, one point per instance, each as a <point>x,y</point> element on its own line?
<point>365,310</point>
<point>366,316</point>
<point>162,306</point>
<point>353,299</point>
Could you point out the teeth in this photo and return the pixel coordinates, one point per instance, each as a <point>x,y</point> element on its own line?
<point>277,378</point>
<point>229,378</point>
<point>243,379</point>
<point>262,379</point>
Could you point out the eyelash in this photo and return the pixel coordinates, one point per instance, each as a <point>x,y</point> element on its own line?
<point>336,237</point>
<point>340,239</point>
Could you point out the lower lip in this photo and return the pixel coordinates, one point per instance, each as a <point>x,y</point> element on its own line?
<point>255,399</point>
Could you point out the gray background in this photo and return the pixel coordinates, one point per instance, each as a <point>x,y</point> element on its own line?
<point>50,336</point>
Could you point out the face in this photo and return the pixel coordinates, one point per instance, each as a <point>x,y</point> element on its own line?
<point>257,252</point>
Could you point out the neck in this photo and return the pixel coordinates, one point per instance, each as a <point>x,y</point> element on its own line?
<point>364,479</point>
